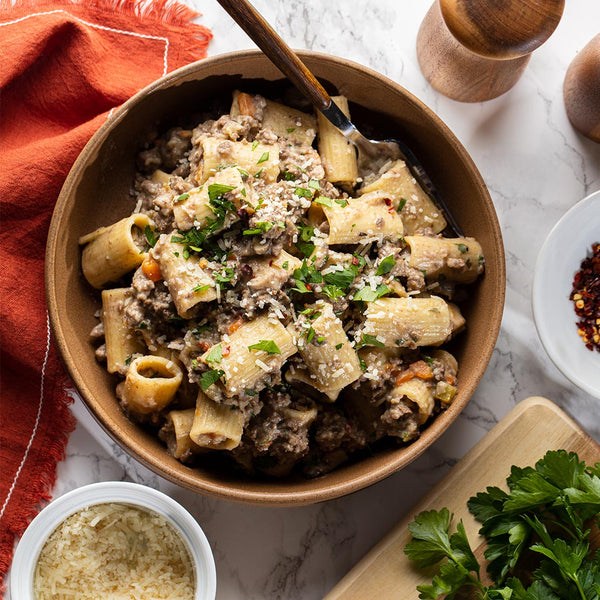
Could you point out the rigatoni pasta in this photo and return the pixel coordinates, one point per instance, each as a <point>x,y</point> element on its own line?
<point>270,307</point>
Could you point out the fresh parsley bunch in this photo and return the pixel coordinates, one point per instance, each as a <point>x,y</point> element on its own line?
<point>547,514</point>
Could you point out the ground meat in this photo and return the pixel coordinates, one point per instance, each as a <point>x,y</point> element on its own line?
<point>399,420</point>
<point>276,439</point>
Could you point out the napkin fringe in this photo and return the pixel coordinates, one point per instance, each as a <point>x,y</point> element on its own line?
<point>165,12</point>
<point>39,488</point>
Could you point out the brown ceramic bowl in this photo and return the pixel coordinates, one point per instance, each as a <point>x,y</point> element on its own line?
<point>96,193</point>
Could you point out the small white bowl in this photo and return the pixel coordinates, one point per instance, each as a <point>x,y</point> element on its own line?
<point>34,538</point>
<point>560,258</point>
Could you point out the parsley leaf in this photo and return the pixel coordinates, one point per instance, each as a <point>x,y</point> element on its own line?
<point>370,340</point>
<point>215,355</point>
<point>368,294</point>
<point>323,200</point>
<point>268,346</point>
<point>304,243</point>
<point>342,278</point>
<point>151,236</point>
<point>386,265</point>
<point>542,516</point>
<point>210,377</point>
<point>218,190</point>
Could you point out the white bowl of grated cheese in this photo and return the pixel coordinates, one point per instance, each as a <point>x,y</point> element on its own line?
<point>114,539</point>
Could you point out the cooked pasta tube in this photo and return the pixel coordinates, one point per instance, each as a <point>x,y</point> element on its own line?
<point>272,273</point>
<point>193,209</point>
<point>111,252</point>
<point>257,159</point>
<point>418,391</point>
<point>216,426</point>
<point>457,321</point>
<point>160,176</point>
<point>289,124</point>
<point>414,206</point>
<point>187,280</point>
<point>365,219</point>
<point>338,154</point>
<point>457,259</point>
<point>176,433</point>
<point>240,357</point>
<point>302,418</point>
<point>407,322</point>
<point>119,338</point>
<point>150,385</point>
<point>327,352</point>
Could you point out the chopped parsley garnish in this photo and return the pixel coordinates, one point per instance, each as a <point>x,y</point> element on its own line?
<point>254,144</point>
<point>243,172</point>
<point>290,129</point>
<point>338,346</point>
<point>428,360</point>
<point>151,236</point>
<point>215,355</point>
<point>362,363</point>
<point>304,243</point>
<point>210,377</point>
<point>314,184</point>
<point>181,198</point>
<point>386,265</point>
<point>462,248</point>
<point>343,278</point>
<point>225,277</point>
<point>324,200</point>
<point>250,392</point>
<point>128,360</point>
<point>263,158</point>
<point>343,203</point>
<point>289,176</point>
<point>320,339</point>
<point>333,291</point>
<point>258,173</point>
<point>194,239</point>
<point>285,265</point>
<point>401,204</point>
<point>370,340</point>
<point>304,276</point>
<point>201,288</point>
<point>268,346</point>
<point>310,335</point>
<point>259,227</point>
<point>217,191</point>
<point>303,192</point>
<point>368,294</point>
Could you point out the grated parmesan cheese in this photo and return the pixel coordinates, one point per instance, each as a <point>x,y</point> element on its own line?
<point>114,551</point>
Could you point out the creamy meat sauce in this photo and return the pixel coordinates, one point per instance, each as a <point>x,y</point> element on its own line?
<point>258,220</point>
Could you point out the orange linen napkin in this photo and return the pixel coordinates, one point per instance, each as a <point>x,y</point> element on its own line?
<point>65,65</point>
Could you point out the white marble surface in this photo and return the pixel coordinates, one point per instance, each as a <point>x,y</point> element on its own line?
<point>536,167</point>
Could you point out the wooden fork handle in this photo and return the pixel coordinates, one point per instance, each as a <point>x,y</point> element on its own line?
<point>282,56</point>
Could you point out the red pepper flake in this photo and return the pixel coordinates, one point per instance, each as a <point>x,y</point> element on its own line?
<point>586,298</point>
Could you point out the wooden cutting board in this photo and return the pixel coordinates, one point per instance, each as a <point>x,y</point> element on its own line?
<point>533,427</point>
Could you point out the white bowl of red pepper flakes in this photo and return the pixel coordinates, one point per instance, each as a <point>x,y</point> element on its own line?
<point>566,295</point>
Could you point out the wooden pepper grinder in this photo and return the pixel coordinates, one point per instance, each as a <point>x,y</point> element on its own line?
<point>475,50</point>
<point>581,90</point>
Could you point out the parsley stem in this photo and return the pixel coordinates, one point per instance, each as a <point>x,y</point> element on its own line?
<point>581,592</point>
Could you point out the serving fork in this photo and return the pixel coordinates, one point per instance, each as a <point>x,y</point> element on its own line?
<point>372,152</point>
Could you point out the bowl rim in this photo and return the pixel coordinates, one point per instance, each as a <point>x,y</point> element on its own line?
<point>123,492</point>
<point>242,494</point>
<point>539,292</point>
